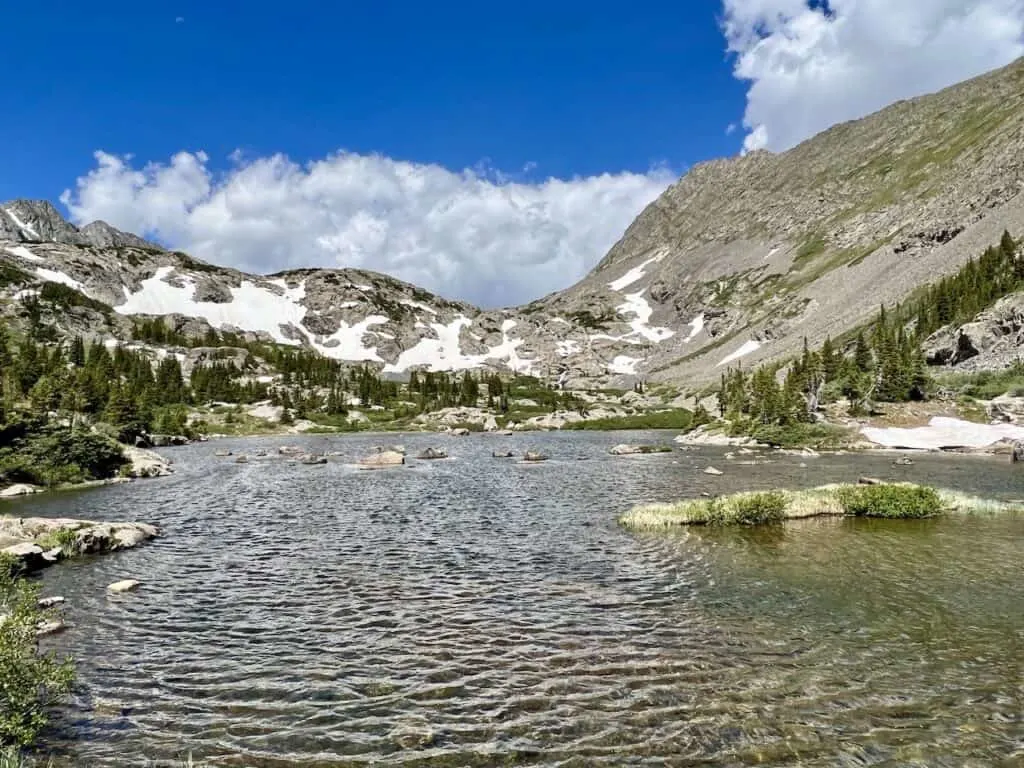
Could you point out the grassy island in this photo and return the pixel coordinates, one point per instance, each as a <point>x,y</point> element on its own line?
<point>886,500</point>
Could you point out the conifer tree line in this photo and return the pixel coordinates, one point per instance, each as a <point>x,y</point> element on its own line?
<point>883,363</point>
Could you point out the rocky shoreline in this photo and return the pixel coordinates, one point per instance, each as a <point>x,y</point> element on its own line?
<point>35,543</point>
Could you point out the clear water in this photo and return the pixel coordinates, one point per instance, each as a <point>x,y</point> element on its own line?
<point>479,612</point>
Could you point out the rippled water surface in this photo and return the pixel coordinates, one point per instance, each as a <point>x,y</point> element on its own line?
<point>478,612</point>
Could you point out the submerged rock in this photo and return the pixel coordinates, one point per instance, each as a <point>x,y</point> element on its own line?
<point>534,456</point>
<point>502,455</point>
<point>222,454</point>
<point>243,459</point>
<point>382,459</point>
<point>433,453</point>
<point>50,627</point>
<point>126,585</point>
<point>290,450</point>
<point>713,471</point>
<point>311,459</point>
<point>635,450</point>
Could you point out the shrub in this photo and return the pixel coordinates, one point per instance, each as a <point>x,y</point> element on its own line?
<point>30,682</point>
<point>50,454</point>
<point>758,508</point>
<point>891,501</point>
<point>678,418</point>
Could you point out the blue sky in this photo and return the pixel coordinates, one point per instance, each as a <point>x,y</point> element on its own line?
<point>576,88</point>
<point>486,152</point>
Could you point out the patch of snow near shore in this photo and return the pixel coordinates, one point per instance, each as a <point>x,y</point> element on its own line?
<point>943,432</point>
<point>23,252</point>
<point>746,349</point>
<point>623,364</point>
<point>23,226</point>
<point>58,277</point>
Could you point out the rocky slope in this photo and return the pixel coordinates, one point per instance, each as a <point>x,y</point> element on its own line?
<point>739,260</point>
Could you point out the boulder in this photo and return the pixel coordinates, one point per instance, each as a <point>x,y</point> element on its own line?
<point>126,585</point>
<point>50,627</point>
<point>502,454</point>
<point>163,441</point>
<point>382,459</point>
<point>903,461</point>
<point>490,424</point>
<point>1007,409</point>
<point>1018,452</point>
<point>433,453</point>
<point>19,489</point>
<point>633,450</point>
<point>290,450</point>
<point>243,459</point>
<point>51,602</point>
<point>311,459</point>
<point>534,456</point>
<point>145,463</point>
<point>869,481</point>
<point>460,432</point>
<point>713,471</point>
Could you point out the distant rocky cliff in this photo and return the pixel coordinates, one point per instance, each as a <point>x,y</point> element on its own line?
<point>738,261</point>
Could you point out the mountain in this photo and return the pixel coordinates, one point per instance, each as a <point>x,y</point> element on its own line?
<point>740,260</point>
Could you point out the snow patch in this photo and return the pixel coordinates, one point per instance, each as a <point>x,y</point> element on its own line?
<point>636,273</point>
<point>746,349</point>
<point>444,353</point>
<point>623,364</point>
<point>417,305</point>
<point>568,347</point>
<point>58,277</point>
<point>252,307</point>
<point>22,225</point>
<point>637,305</point>
<point>943,432</point>
<point>23,252</point>
<point>696,326</point>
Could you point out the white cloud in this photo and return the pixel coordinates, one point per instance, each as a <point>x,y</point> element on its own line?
<point>813,64</point>
<point>472,235</point>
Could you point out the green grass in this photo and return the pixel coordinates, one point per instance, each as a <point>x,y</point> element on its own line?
<point>678,418</point>
<point>891,501</point>
<point>987,385</point>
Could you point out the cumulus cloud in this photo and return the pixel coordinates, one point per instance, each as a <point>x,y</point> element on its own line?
<point>475,235</point>
<point>814,63</point>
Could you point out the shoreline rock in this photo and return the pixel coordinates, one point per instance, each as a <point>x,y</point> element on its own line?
<point>39,542</point>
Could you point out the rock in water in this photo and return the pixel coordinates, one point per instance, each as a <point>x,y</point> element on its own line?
<point>713,471</point>
<point>243,459</point>
<point>50,602</point>
<point>1018,451</point>
<point>222,454</point>
<point>534,456</point>
<point>903,461</point>
<point>502,455</point>
<point>19,489</point>
<point>460,432</point>
<point>625,450</point>
<point>145,463</point>
<point>290,450</point>
<point>433,453</point>
<point>382,460</point>
<point>127,585</point>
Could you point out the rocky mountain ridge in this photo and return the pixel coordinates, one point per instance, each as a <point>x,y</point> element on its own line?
<point>739,260</point>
